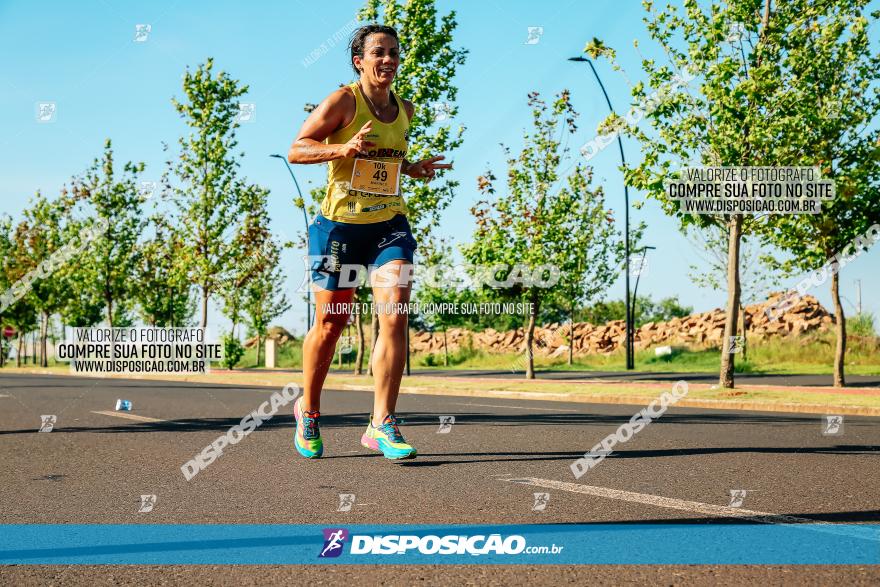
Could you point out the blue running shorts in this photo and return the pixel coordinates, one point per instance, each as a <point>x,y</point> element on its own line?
<point>335,247</point>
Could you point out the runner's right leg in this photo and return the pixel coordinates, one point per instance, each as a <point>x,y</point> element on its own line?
<point>319,345</point>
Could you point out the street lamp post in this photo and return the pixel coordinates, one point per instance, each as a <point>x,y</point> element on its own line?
<point>306,221</point>
<point>630,359</point>
<point>632,319</point>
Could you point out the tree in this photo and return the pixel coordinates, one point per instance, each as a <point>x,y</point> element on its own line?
<point>113,254</point>
<point>739,116</point>
<point>39,238</point>
<point>6,273</point>
<point>831,74</point>
<point>547,218</point>
<point>208,195</point>
<point>84,305</point>
<point>252,237</point>
<point>164,293</point>
<point>264,299</point>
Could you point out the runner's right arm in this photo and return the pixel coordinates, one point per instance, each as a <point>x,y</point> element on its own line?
<point>332,114</point>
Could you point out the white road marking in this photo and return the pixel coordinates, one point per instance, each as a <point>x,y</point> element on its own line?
<point>4,395</point>
<point>128,416</point>
<point>516,407</point>
<point>708,509</point>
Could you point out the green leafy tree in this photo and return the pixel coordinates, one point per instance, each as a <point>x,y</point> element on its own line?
<point>7,256</point>
<point>264,298</point>
<point>738,114</point>
<point>233,350</point>
<point>19,315</point>
<point>114,199</point>
<point>250,246</point>
<point>39,238</point>
<point>546,217</point>
<point>208,193</point>
<point>164,294</point>
<point>84,304</point>
<point>831,75</point>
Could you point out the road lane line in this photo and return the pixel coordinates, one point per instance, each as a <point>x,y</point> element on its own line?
<point>695,506</point>
<point>515,407</point>
<point>128,416</point>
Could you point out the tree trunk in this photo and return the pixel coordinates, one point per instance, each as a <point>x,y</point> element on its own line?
<point>20,347</point>
<point>445,350</point>
<point>840,331</point>
<point>204,322</point>
<point>109,300</point>
<point>374,327</point>
<point>571,337</point>
<point>359,360</point>
<point>259,348</point>
<point>34,347</point>
<point>745,329</point>
<point>530,337</point>
<point>44,333</point>
<point>733,295</point>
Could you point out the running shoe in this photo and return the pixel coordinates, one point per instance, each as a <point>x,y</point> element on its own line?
<point>308,432</point>
<point>387,438</point>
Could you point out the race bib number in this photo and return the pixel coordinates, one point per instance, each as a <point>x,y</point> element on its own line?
<point>376,177</point>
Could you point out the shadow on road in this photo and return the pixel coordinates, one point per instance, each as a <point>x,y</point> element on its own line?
<point>433,420</point>
<point>499,457</point>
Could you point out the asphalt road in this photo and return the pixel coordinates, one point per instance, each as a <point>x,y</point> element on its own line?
<point>93,468</point>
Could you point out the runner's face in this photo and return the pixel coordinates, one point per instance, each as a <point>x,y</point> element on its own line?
<point>381,59</point>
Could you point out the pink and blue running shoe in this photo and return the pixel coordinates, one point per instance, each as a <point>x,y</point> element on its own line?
<point>308,433</point>
<point>387,438</point>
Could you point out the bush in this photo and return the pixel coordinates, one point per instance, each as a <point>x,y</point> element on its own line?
<point>861,325</point>
<point>233,351</point>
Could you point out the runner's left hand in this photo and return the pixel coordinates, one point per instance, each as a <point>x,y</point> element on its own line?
<point>427,168</point>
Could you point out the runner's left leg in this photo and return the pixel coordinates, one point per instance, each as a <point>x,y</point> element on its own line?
<point>389,356</point>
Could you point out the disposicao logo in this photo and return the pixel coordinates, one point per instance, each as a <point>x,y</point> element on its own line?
<point>334,539</point>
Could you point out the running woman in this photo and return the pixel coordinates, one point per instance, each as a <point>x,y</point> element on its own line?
<point>361,130</point>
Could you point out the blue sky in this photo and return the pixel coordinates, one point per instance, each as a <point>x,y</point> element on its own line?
<point>83,57</point>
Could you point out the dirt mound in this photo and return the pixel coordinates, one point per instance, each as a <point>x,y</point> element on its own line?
<point>697,330</point>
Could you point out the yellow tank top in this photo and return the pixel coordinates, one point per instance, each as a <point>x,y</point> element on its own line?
<point>366,189</point>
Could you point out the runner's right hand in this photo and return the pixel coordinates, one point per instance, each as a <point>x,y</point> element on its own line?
<point>357,145</point>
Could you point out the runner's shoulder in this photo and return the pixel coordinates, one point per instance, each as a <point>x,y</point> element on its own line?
<point>341,104</point>
<point>343,97</point>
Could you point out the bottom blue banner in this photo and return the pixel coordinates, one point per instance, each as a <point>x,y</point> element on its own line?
<point>786,544</point>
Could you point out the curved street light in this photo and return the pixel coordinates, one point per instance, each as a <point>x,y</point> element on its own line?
<point>306,221</point>
<point>630,358</point>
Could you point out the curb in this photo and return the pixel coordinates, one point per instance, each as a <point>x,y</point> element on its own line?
<point>715,404</point>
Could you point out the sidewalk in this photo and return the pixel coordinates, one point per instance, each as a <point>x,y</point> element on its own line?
<point>811,400</point>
